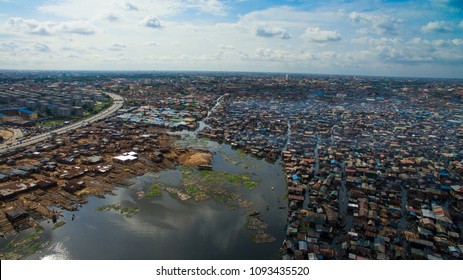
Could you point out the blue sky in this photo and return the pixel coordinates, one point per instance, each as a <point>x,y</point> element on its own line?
<point>415,38</point>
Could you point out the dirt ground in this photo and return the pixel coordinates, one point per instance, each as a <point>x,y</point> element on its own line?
<point>193,158</point>
<point>6,134</point>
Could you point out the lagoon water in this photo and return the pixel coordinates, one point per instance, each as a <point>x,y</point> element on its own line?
<point>167,228</point>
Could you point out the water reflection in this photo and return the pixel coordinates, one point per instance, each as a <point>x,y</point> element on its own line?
<point>168,228</point>
<point>59,252</point>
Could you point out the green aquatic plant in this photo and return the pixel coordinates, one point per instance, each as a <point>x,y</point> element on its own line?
<point>250,185</point>
<point>221,178</point>
<point>26,246</point>
<point>241,153</point>
<point>127,212</point>
<point>59,224</point>
<point>154,190</point>
<point>192,190</point>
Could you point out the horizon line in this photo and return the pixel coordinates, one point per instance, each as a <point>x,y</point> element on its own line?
<point>234,72</point>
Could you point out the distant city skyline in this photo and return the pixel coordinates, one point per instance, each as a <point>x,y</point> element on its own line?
<point>410,38</point>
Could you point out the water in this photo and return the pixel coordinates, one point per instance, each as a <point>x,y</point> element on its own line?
<point>202,123</point>
<point>168,228</point>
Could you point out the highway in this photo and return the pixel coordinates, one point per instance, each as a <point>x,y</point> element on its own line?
<point>118,101</point>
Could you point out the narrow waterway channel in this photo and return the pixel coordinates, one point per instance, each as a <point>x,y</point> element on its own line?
<point>317,160</point>
<point>202,124</point>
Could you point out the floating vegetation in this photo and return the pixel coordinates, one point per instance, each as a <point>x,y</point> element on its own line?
<point>201,196</point>
<point>181,195</point>
<point>252,236</point>
<point>245,203</point>
<point>192,190</point>
<point>118,208</point>
<point>241,153</point>
<point>206,184</point>
<point>24,241</point>
<point>39,228</point>
<point>240,159</point>
<point>223,196</point>
<point>188,141</point>
<point>214,178</point>
<point>154,190</point>
<point>25,246</point>
<point>140,195</point>
<point>59,224</point>
<point>186,171</point>
<point>262,237</point>
<point>250,185</point>
<point>254,223</point>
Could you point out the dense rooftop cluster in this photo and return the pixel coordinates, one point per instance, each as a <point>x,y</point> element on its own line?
<point>374,167</point>
<point>64,170</point>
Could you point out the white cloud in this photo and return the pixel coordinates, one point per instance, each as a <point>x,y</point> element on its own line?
<point>269,32</point>
<point>131,7</point>
<point>266,54</point>
<point>315,34</point>
<point>361,57</point>
<point>328,37</point>
<point>31,26</point>
<point>112,17</point>
<point>10,47</point>
<point>117,47</point>
<point>226,47</point>
<point>152,22</point>
<point>379,23</point>
<point>415,50</point>
<point>452,5</point>
<point>457,42</point>
<point>41,48</point>
<point>152,44</point>
<point>370,41</point>
<point>89,9</point>
<point>208,6</point>
<point>436,26</point>
<point>289,17</point>
<point>76,27</point>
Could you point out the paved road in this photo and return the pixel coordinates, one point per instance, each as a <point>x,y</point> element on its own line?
<point>117,104</point>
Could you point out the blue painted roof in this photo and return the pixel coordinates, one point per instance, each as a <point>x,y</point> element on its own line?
<point>9,109</point>
<point>20,109</point>
<point>25,111</point>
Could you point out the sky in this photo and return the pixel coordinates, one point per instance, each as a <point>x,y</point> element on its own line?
<point>407,38</point>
